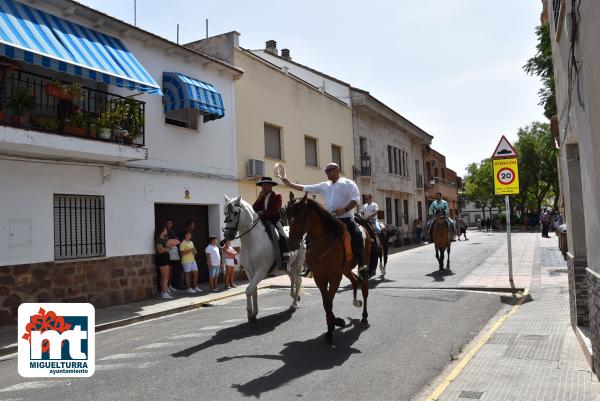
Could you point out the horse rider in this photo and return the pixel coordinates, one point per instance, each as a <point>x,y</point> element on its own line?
<point>268,207</point>
<point>439,204</point>
<point>341,196</point>
<point>369,212</point>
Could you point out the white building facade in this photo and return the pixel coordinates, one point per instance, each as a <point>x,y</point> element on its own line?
<point>78,214</point>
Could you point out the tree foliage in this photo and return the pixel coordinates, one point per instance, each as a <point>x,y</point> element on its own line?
<point>541,65</point>
<point>479,185</point>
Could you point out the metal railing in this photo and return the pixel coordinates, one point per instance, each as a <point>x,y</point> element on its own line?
<point>32,101</point>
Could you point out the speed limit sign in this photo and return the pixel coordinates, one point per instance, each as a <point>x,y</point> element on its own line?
<point>506,176</point>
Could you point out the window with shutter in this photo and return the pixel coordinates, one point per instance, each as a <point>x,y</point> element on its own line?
<point>272,142</point>
<point>310,151</point>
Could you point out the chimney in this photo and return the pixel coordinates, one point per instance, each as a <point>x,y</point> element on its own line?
<point>271,47</point>
<point>285,54</point>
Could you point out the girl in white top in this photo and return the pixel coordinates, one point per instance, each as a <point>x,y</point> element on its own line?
<point>230,255</point>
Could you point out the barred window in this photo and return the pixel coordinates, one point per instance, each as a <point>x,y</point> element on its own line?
<point>78,226</point>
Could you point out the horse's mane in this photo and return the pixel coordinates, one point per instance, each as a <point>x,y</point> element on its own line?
<point>330,223</point>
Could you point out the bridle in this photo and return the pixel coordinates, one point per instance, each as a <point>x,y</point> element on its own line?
<point>333,242</point>
<point>237,224</point>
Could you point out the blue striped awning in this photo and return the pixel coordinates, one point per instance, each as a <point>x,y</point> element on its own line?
<point>36,37</point>
<point>183,92</point>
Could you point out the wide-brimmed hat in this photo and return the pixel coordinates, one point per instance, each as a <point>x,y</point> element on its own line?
<point>266,180</point>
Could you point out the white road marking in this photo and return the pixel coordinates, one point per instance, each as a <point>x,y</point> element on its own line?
<point>156,345</point>
<point>211,328</point>
<point>145,365</point>
<point>187,335</point>
<point>126,356</point>
<point>114,366</point>
<point>33,385</point>
<point>233,320</point>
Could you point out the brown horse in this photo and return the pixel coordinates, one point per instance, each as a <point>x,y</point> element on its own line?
<point>325,256</point>
<point>439,234</point>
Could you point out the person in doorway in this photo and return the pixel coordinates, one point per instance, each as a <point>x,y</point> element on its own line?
<point>418,229</point>
<point>268,206</point>
<point>188,262</point>
<point>230,255</point>
<point>546,221</point>
<point>173,256</point>
<point>341,196</point>
<point>369,212</point>
<point>213,259</point>
<point>162,261</point>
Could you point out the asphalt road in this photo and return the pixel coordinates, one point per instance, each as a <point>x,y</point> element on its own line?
<point>214,354</point>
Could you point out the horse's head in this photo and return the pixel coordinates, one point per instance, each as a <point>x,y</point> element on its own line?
<point>233,217</point>
<point>297,214</point>
<point>440,217</point>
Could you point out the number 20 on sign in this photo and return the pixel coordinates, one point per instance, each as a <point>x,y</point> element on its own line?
<point>506,176</point>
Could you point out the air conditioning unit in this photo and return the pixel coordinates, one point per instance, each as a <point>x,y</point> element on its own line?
<point>434,163</point>
<point>256,168</point>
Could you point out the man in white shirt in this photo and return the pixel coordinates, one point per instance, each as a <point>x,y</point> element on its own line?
<point>341,196</point>
<point>369,212</point>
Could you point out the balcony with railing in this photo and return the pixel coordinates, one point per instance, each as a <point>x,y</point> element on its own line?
<point>67,120</point>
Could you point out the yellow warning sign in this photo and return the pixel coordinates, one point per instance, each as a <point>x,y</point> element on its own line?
<point>506,176</point>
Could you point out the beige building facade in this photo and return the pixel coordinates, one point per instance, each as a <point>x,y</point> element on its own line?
<point>282,118</point>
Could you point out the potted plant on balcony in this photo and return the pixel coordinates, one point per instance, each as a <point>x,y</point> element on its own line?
<point>64,91</point>
<point>133,119</point>
<point>75,124</point>
<point>20,103</point>
<point>45,123</point>
<point>104,124</point>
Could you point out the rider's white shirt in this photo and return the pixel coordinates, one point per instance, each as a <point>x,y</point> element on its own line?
<point>368,209</point>
<point>338,195</point>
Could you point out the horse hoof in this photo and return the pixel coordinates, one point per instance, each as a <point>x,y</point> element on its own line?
<point>252,319</point>
<point>293,308</point>
<point>339,322</point>
<point>357,303</point>
<point>365,324</point>
<point>329,338</point>
<point>298,300</point>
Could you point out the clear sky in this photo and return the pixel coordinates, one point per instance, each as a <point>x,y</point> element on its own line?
<point>452,67</point>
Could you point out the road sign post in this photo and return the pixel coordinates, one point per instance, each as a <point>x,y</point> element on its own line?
<point>506,182</point>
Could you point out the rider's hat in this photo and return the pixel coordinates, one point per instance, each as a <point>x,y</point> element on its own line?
<point>265,180</point>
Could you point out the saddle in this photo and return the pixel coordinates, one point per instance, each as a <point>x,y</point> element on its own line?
<point>276,241</point>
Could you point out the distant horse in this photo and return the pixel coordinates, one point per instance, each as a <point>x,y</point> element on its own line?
<point>439,234</point>
<point>257,253</point>
<point>326,257</point>
<point>387,232</point>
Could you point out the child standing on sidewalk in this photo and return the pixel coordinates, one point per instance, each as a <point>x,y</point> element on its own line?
<point>230,255</point>
<point>213,259</point>
<point>188,261</point>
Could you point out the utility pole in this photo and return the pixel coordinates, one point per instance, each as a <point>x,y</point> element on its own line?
<point>134,12</point>
<point>177,33</point>
<point>207,28</point>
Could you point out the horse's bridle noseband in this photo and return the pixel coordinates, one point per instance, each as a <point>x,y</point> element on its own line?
<point>237,225</point>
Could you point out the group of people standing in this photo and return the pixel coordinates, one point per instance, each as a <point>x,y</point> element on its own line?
<point>172,249</point>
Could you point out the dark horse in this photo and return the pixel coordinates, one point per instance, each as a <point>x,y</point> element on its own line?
<point>387,232</point>
<point>439,235</point>
<point>326,255</point>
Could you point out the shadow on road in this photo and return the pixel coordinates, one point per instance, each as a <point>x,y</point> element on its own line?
<point>245,330</point>
<point>438,275</point>
<point>301,358</point>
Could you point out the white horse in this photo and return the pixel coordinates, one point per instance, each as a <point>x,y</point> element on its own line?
<point>257,253</point>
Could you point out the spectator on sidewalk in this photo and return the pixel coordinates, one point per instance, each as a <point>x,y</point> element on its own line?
<point>162,262</point>
<point>188,262</point>
<point>230,255</point>
<point>213,259</point>
<point>462,227</point>
<point>418,229</point>
<point>546,221</point>
<point>173,256</point>
<point>488,224</point>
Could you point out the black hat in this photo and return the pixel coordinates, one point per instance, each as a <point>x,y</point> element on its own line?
<point>265,180</point>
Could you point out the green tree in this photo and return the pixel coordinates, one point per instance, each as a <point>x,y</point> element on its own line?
<point>538,169</point>
<point>479,186</point>
<point>541,65</point>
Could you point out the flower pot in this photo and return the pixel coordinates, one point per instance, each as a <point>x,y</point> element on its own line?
<point>117,132</point>
<point>58,92</point>
<point>92,132</point>
<point>75,131</point>
<point>105,133</point>
<point>21,121</point>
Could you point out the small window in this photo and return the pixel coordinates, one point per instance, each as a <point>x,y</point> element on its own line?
<point>390,162</point>
<point>186,118</point>
<point>395,161</point>
<point>364,150</point>
<point>388,210</point>
<point>420,210</point>
<point>397,212</point>
<point>310,151</point>
<point>78,226</point>
<point>272,142</point>
<point>405,204</point>
<point>336,155</point>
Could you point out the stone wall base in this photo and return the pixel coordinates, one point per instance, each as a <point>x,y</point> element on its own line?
<point>594,305</point>
<point>578,290</point>
<point>101,281</point>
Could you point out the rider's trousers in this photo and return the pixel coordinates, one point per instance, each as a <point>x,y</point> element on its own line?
<point>356,239</point>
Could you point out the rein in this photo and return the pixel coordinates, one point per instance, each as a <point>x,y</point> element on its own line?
<point>237,225</point>
<point>333,242</point>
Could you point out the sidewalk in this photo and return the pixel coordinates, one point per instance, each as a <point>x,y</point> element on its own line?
<point>122,315</point>
<point>531,353</point>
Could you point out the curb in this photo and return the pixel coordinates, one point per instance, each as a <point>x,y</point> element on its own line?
<point>13,348</point>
